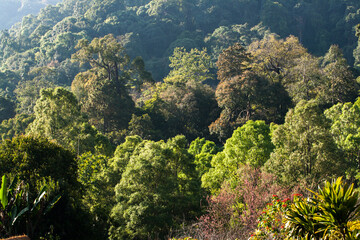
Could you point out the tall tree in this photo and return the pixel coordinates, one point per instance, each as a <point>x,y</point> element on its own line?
<point>304,147</point>
<point>58,117</point>
<point>232,62</point>
<point>15,126</point>
<point>345,124</point>
<point>243,94</point>
<point>356,52</point>
<point>158,190</point>
<point>101,90</point>
<point>183,104</point>
<point>274,57</point>
<point>203,151</point>
<point>233,66</point>
<point>193,66</point>
<point>304,79</point>
<point>340,84</point>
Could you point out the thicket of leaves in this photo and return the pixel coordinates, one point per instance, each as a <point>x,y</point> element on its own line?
<point>242,113</point>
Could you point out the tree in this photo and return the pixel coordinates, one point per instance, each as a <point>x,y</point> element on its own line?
<point>33,159</point>
<point>7,108</point>
<point>345,123</point>
<point>234,93</point>
<point>28,92</point>
<point>101,90</point>
<point>203,151</point>
<point>15,126</point>
<point>99,175</point>
<point>249,145</point>
<point>232,213</point>
<point>232,62</point>
<point>340,85</point>
<point>122,155</point>
<point>274,57</point>
<point>187,109</point>
<point>183,104</point>
<point>98,194</point>
<point>245,92</point>
<point>226,36</point>
<point>193,66</point>
<point>304,79</point>
<point>142,126</point>
<point>240,98</point>
<point>275,15</point>
<point>158,190</point>
<point>304,147</point>
<point>286,65</point>
<point>57,116</point>
<point>356,52</point>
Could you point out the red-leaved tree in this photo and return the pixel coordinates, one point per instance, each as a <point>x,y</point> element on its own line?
<point>234,211</point>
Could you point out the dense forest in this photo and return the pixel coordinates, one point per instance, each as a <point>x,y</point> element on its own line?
<point>180,119</point>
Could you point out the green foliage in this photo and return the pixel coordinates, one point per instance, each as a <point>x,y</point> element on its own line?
<point>300,220</point>
<point>193,66</point>
<point>89,166</point>
<point>58,117</point>
<point>341,85</point>
<point>157,189</point>
<point>8,81</point>
<point>338,203</point>
<point>232,62</point>
<point>203,151</point>
<point>21,210</point>
<point>345,130</point>
<point>122,155</point>
<point>53,33</point>
<point>33,158</point>
<point>188,109</point>
<point>235,91</point>
<point>245,92</point>
<point>304,147</point>
<point>275,15</point>
<point>142,126</point>
<point>225,36</point>
<point>305,79</point>
<point>7,108</point>
<point>99,176</point>
<point>98,194</point>
<point>273,57</point>
<point>326,214</point>
<point>28,92</point>
<point>180,108</point>
<point>101,90</point>
<point>260,81</point>
<point>15,126</point>
<point>357,50</point>
<point>249,145</point>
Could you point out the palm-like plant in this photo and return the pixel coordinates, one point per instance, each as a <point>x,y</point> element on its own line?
<point>338,204</point>
<point>10,196</point>
<point>15,205</point>
<point>300,222</point>
<point>326,214</point>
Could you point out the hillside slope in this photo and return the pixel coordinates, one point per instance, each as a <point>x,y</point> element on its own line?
<point>153,28</point>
